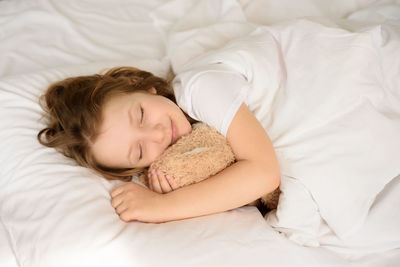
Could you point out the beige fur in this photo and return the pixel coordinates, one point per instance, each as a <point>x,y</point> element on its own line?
<point>199,155</point>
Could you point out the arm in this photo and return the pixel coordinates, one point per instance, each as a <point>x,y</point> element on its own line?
<point>255,173</point>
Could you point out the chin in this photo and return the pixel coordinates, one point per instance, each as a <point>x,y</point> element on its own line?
<point>188,129</point>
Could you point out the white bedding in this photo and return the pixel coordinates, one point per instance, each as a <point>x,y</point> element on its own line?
<point>54,213</point>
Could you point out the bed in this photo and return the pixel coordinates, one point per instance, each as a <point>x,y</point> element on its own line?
<point>55,213</point>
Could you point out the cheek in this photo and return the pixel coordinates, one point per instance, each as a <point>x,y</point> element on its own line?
<point>166,106</point>
<point>184,126</point>
<point>153,152</point>
<point>157,112</point>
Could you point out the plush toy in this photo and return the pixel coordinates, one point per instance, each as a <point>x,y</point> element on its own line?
<point>197,156</point>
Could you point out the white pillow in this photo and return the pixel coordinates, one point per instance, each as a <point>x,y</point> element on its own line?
<point>56,213</point>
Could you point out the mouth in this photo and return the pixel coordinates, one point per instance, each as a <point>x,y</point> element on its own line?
<point>174,133</point>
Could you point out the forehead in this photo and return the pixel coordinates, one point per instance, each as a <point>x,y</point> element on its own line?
<point>118,103</point>
<point>113,127</point>
<point>116,100</point>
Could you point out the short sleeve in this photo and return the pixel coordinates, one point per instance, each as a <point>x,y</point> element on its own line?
<point>211,94</point>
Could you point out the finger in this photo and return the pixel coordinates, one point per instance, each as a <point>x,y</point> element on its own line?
<point>116,201</point>
<point>156,183</point>
<point>165,187</point>
<point>120,209</point>
<point>150,183</point>
<point>126,216</point>
<point>117,191</point>
<point>172,182</point>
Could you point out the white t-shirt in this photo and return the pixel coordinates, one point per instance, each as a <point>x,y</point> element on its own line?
<point>212,95</point>
<point>212,87</point>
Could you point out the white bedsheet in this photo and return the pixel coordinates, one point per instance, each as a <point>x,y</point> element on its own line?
<point>7,257</point>
<point>54,213</point>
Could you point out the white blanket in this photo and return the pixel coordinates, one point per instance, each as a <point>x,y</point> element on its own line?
<point>332,112</point>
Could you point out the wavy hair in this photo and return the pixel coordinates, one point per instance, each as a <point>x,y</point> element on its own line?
<point>74,108</point>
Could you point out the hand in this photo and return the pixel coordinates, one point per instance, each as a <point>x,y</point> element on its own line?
<point>133,202</point>
<point>161,183</point>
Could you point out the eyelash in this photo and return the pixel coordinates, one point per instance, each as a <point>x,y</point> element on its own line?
<point>141,121</point>
<point>141,114</point>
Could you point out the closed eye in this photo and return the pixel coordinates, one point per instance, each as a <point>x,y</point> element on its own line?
<point>141,123</point>
<point>141,114</point>
<point>140,152</point>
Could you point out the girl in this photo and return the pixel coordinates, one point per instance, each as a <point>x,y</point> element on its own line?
<point>118,123</point>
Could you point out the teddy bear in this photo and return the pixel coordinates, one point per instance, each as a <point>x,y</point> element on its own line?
<point>196,156</point>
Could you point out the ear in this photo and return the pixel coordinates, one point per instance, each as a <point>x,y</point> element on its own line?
<point>152,90</point>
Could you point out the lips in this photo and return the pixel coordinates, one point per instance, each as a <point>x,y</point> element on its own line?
<point>174,132</point>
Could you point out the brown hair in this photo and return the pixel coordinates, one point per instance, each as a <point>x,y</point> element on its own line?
<point>74,108</point>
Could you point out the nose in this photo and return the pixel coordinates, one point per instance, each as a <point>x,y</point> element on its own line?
<point>154,134</point>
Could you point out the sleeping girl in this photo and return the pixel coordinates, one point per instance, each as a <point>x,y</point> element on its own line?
<point>276,94</point>
<point>119,122</point>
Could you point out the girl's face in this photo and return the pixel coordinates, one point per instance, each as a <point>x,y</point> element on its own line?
<point>136,128</point>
